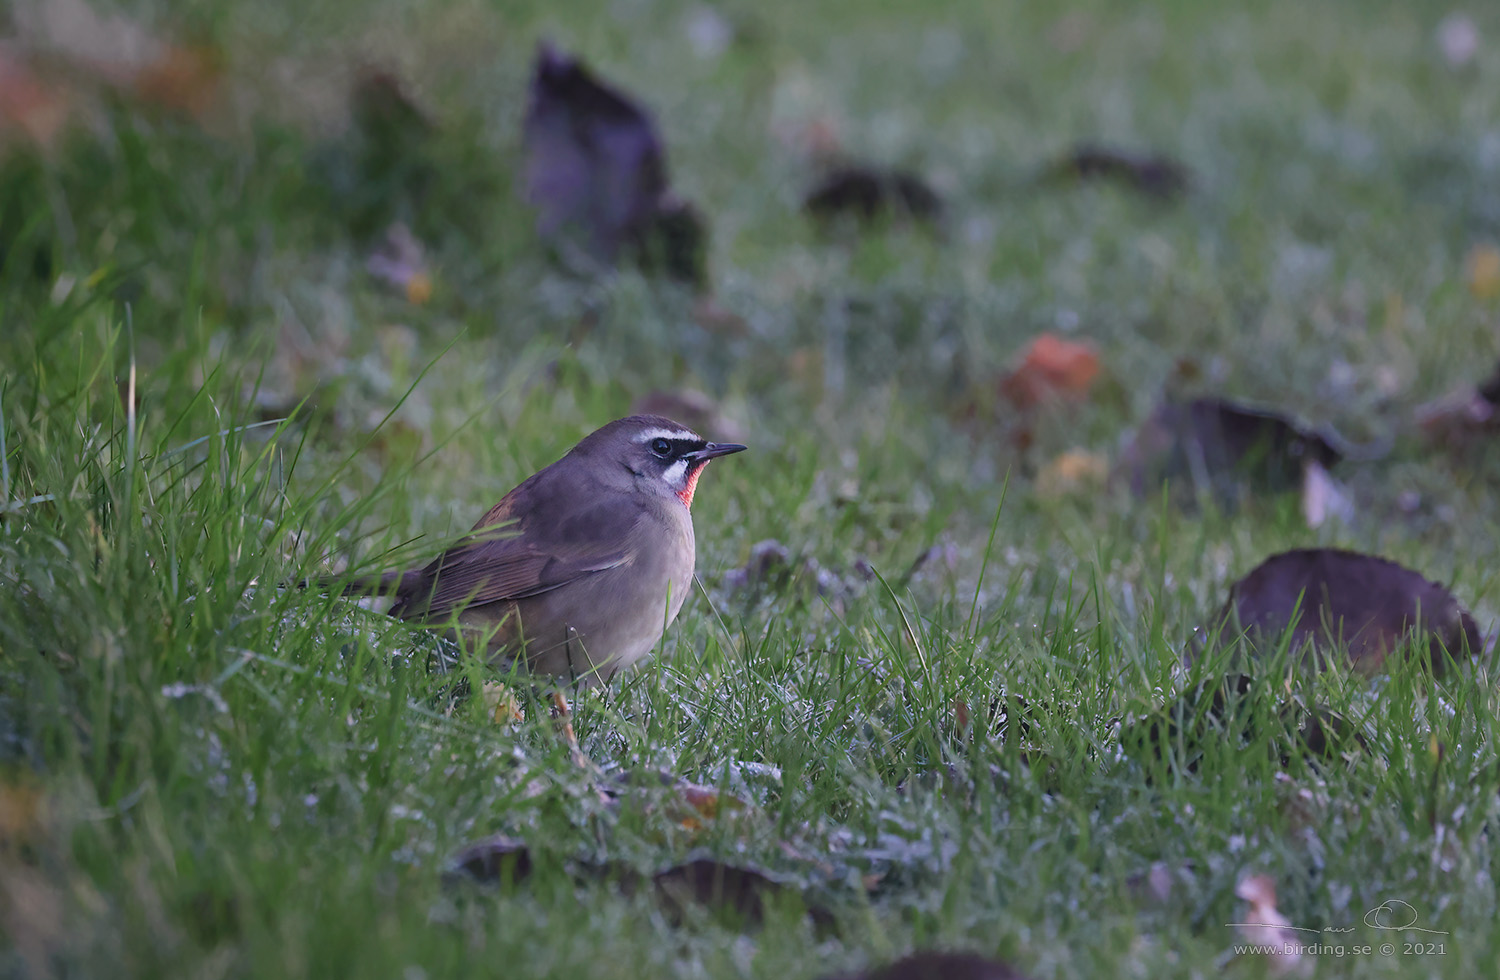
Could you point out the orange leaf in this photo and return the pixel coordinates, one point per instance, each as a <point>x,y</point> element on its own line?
<point>27,103</point>
<point>1051,368</point>
<point>183,79</point>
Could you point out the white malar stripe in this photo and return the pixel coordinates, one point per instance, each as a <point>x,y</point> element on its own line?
<point>669,434</point>
<point>676,474</point>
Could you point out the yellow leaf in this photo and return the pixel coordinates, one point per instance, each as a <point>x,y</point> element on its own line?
<point>1483,268</point>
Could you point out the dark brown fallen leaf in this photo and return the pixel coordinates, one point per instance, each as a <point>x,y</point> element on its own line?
<point>1333,599</point>
<point>494,859</point>
<point>597,174</point>
<point>1464,419</point>
<point>732,891</point>
<point>939,966</point>
<point>1219,449</point>
<point>719,887</point>
<point>1153,175</point>
<point>868,192</point>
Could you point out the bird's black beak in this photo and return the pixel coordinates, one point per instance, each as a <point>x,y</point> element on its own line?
<point>712,450</point>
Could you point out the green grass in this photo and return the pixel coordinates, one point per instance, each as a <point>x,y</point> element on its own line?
<point>205,774</point>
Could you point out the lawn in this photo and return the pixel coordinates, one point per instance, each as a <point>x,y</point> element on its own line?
<point>928,706</point>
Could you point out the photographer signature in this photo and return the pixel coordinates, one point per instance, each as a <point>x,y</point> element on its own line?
<point>1392,915</point>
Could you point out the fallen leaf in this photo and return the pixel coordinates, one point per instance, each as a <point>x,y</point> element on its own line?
<point>401,262</point>
<point>868,192</point>
<point>494,859</point>
<point>23,812</point>
<point>1465,418</point>
<point>501,703</point>
<point>1051,369</point>
<point>1220,449</point>
<point>1323,497</point>
<point>597,174</point>
<point>715,318</point>
<point>35,107</point>
<point>1155,176</point>
<point>1333,600</point>
<point>118,52</point>
<point>184,79</point>
<point>939,966</point>
<point>1482,268</point>
<point>1264,926</point>
<point>1072,472</point>
<point>725,888</point>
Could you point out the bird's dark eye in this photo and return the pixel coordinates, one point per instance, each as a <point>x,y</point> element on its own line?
<point>661,447</point>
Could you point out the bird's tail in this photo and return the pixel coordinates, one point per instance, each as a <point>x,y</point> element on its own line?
<point>383,584</point>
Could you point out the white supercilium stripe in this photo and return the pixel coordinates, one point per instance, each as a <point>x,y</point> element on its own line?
<point>669,434</point>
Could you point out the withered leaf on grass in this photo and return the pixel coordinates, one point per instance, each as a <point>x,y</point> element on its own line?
<point>1333,600</point>
<point>1465,418</point>
<point>597,174</point>
<point>868,192</point>
<point>939,966</point>
<point>1267,929</point>
<point>1051,369</point>
<point>114,52</point>
<point>494,859</point>
<point>1153,175</point>
<point>1220,449</point>
<point>741,892</point>
<point>1049,373</point>
<point>31,105</point>
<point>1482,269</point>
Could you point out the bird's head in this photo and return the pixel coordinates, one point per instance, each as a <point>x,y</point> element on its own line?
<point>660,455</point>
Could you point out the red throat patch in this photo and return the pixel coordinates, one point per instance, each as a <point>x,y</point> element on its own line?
<point>686,493</point>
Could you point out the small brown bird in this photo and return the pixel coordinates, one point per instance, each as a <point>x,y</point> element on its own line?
<point>580,569</point>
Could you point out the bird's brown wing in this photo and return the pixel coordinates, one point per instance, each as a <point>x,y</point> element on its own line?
<point>505,563</point>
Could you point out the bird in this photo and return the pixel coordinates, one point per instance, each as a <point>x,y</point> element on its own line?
<point>578,571</point>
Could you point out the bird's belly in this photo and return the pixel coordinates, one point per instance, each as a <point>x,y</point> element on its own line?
<point>591,629</point>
